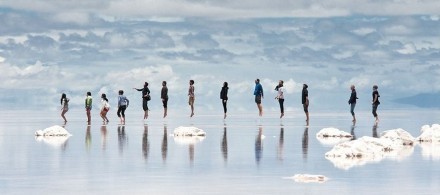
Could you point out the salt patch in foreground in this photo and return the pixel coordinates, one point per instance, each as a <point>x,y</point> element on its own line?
<point>53,131</point>
<point>396,143</point>
<point>307,178</point>
<point>188,135</point>
<point>332,136</point>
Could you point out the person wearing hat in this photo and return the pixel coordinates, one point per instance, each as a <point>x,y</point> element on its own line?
<point>145,98</point>
<point>375,102</point>
<point>305,101</point>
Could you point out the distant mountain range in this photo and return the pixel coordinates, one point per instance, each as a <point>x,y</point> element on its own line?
<point>423,100</point>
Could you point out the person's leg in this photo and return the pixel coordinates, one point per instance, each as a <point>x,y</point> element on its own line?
<point>192,106</point>
<point>306,111</point>
<point>353,105</point>
<point>89,118</point>
<point>119,113</point>
<point>123,114</point>
<point>105,115</point>
<point>281,101</point>
<point>225,109</point>
<point>165,105</point>
<point>62,114</point>
<point>375,112</point>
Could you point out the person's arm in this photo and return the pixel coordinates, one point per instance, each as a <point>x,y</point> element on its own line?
<point>137,89</point>
<point>375,98</point>
<point>262,94</point>
<point>128,101</point>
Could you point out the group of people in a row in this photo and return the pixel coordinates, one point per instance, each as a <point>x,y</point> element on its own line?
<point>123,101</point>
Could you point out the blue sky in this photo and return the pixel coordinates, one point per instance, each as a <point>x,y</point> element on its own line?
<point>49,47</point>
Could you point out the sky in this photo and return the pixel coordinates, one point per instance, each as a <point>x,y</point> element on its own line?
<point>51,47</point>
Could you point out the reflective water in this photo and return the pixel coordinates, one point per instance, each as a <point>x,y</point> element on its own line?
<point>240,155</point>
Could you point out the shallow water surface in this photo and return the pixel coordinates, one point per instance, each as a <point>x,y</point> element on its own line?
<point>241,155</point>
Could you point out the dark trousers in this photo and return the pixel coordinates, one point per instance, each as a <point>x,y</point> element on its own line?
<point>224,102</point>
<point>121,111</point>
<point>352,108</point>
<point>281,101</point>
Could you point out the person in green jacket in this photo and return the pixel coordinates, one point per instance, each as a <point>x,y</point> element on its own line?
<point>88,105</point>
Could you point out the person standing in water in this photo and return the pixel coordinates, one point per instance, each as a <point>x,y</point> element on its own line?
<point>280,96</point>
<point>191,96</point>
<point>88,105</point>
<point>258,92</point>
<point>122,105</point>
<point>145,98</point>
<point>164,97</point>
<point>305,101</point>
<point>224,97</point>
<point>105,107</point>
<point>352,102</point>
<point>64,106</point>
<point>375,102</point>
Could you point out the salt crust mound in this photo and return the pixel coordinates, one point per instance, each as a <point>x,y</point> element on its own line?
<point>53,131</point>
<point>188,131</point>
<point>53,140</point>
<point>185,140</point>
<point>396,143</point>
<point>429,133</point>
<point>429,141</point>
<point>332,136</point>
<point>333,132</point>
<point>307,178</point>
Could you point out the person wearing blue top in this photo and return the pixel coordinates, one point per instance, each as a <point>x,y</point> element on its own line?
<point>258,92</point>
<point>122,105</point>
<point>145,98</point>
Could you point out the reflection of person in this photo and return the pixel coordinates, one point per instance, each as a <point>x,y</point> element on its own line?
<point>352,102</point>
<point>145,143</point>
<point>305,142</point>
<point>352,132</point>
<point>88,105</point>
<point>225,145</point>
<point>375,102</point>
<point>259,95</point>
<point>281,144</point>
<point>259,145</point>
<point>164,143</point>
<point>191,96</point>
<point>305,101</point>
<point>88,138</point>
<point>64,106</point>
<point>122,105</point>
<point>280,96</point>
<point>375,131</point>
<point>122,139</point>
<point>224,97</point>
<point>145,98</point>
<point>104,137</point>
<point>164,97</point>
<point>105,107</point>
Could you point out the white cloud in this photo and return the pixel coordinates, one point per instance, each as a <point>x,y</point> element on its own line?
<point>408,49</point>
<point>363,31</point>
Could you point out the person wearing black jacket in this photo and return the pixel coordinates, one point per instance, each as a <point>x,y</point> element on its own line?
<point>145,98</point>
<point>352,102</point>
<point>224,97</point>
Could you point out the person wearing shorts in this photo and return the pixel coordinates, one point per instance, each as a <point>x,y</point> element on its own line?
<point>258,92</point>
<point>375,103</point>
<point>64,106</point>
<point>105,107</point>
<point>145,98</point>
<point>122,106</point>
<point>88,105</point>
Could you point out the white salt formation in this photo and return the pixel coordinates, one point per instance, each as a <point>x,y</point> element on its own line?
<point>188,131</point>
<point>395,144</point>
<point>332,136</point>
<point>429,133</point>
<point>429,141</point>
<point>307,178</point>
<point>53,140</point>
<point>53,131</point>
<point>185,140</point>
